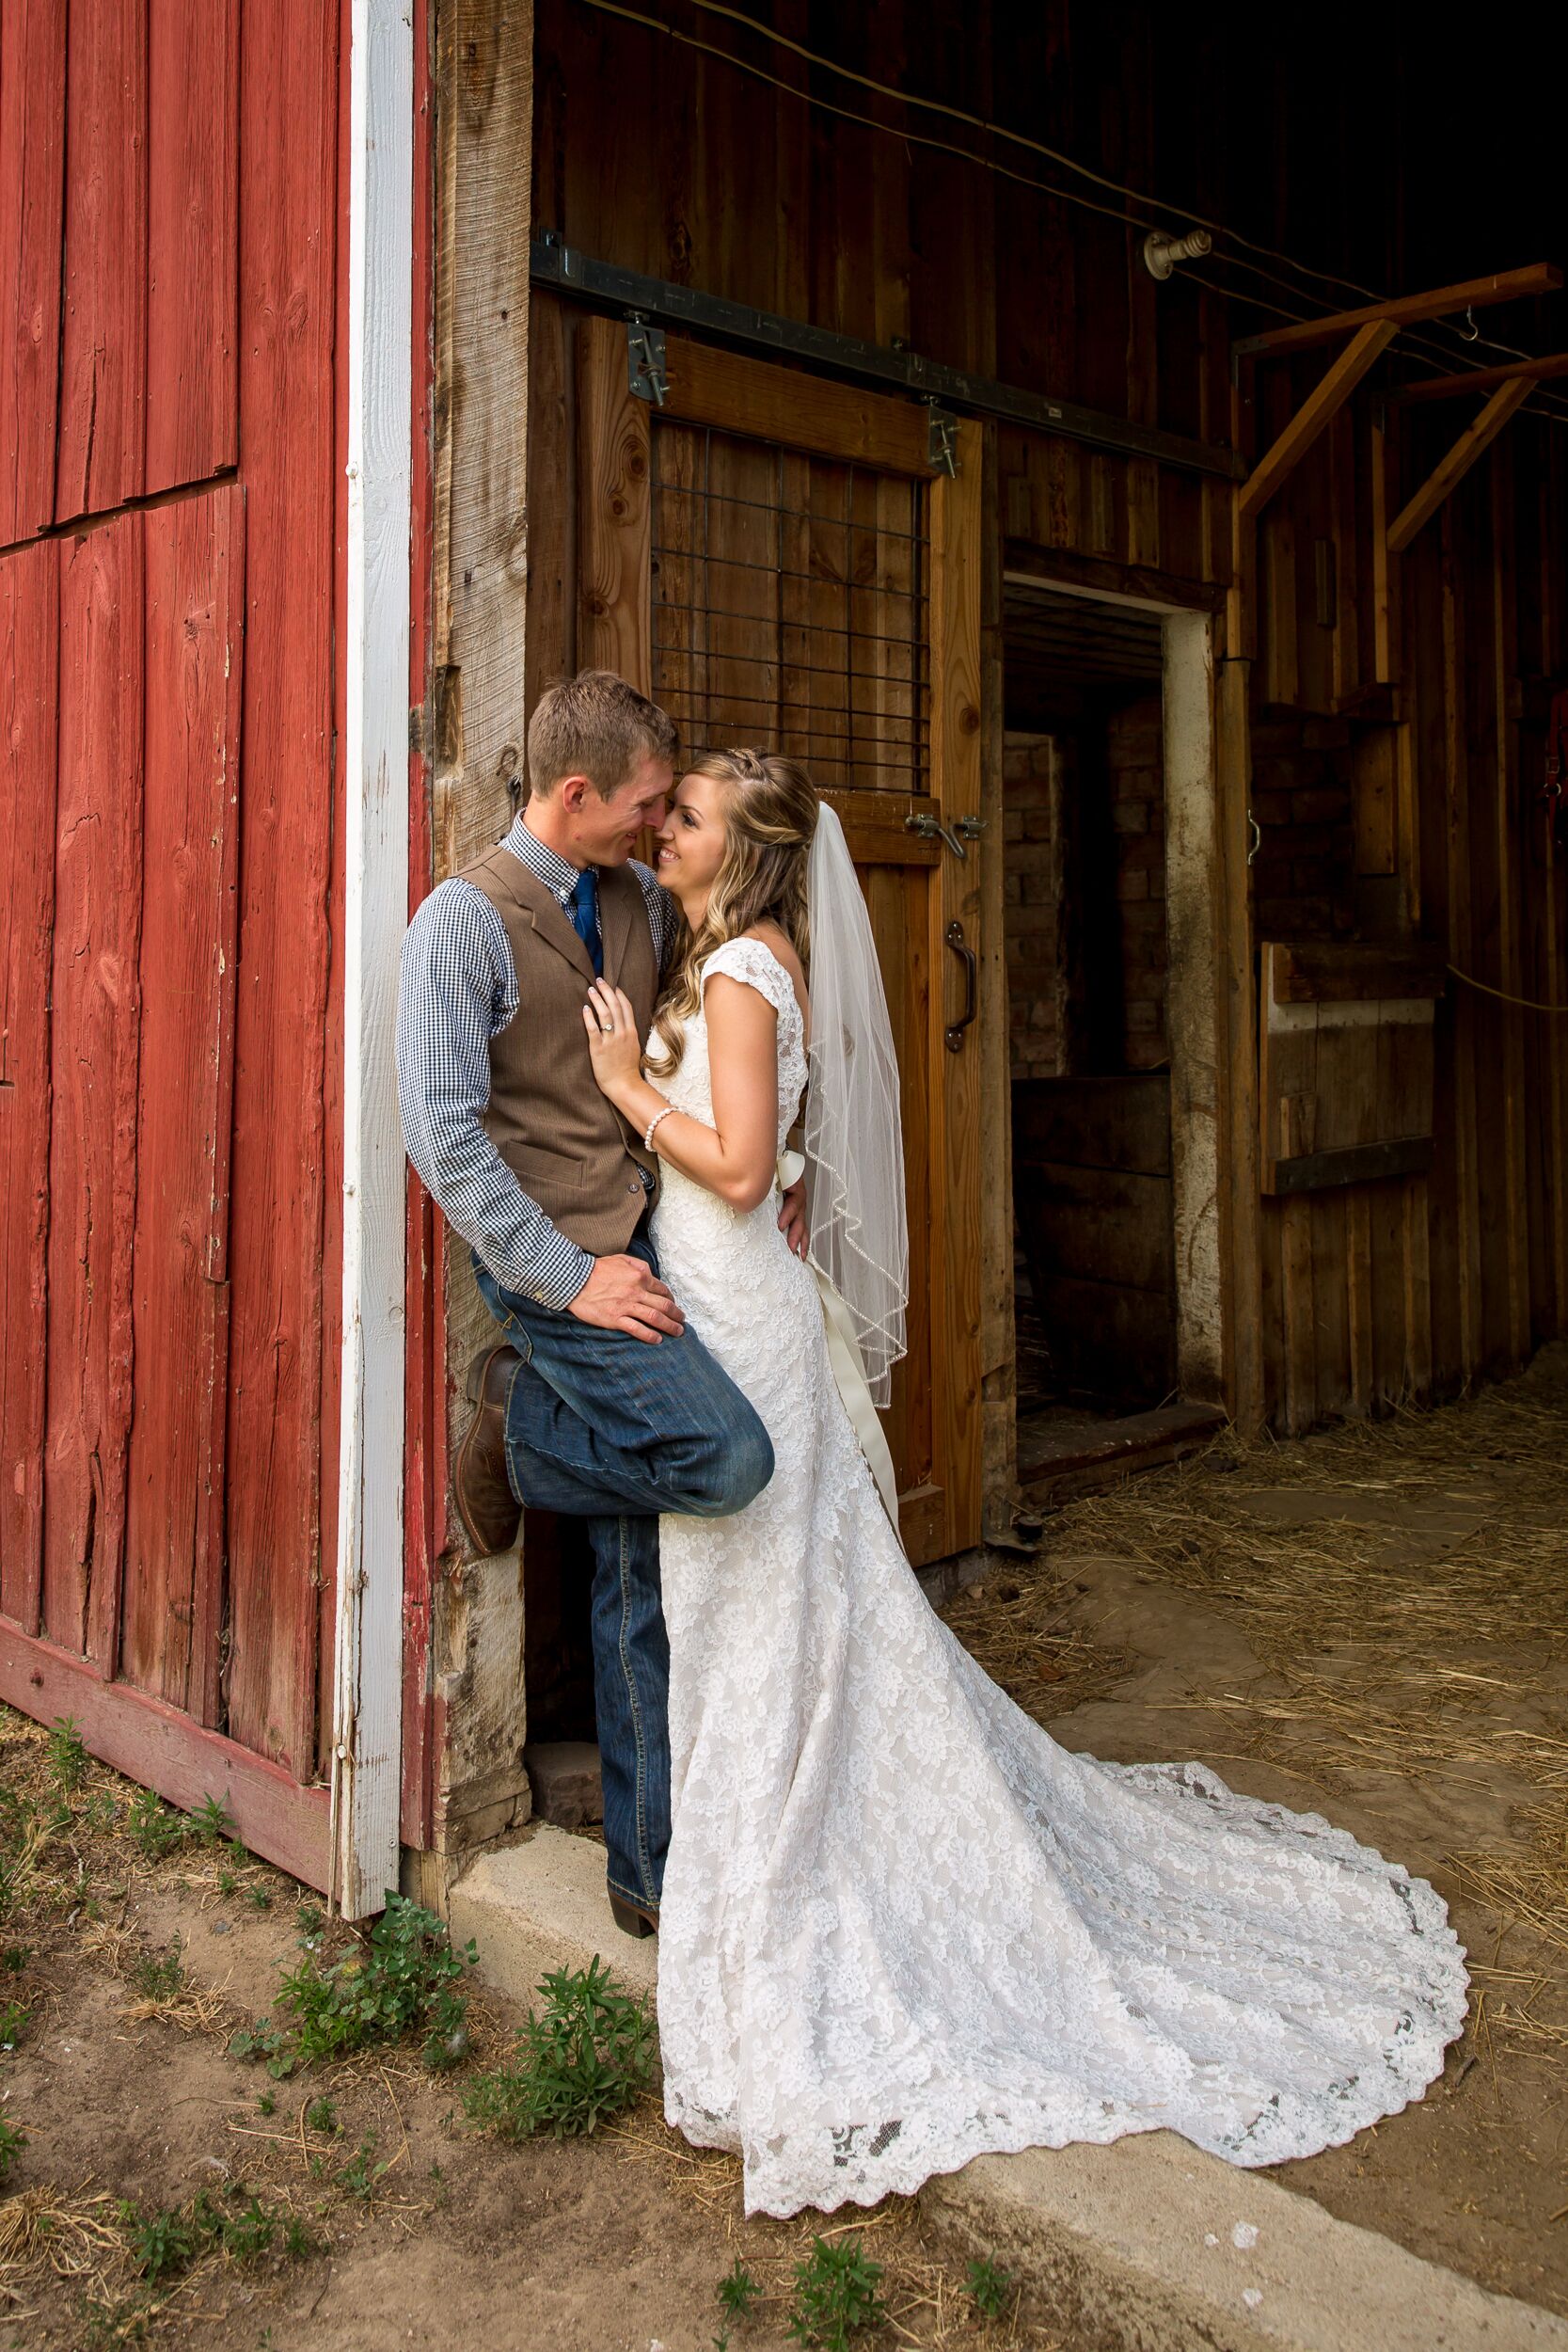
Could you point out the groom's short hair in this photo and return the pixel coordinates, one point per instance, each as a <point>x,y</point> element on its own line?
<point>595,726</point>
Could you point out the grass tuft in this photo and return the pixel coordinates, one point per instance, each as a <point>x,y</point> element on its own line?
<point>835,2294</point>
<point>737,2291</point>
<point>405,1976</point>
<point>65,1757</point>
<point>988,2287</point>
<point>588,2052</point>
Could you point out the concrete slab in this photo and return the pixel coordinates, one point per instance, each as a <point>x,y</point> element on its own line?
<point>1148,2246</point>
<point>540,1904</point>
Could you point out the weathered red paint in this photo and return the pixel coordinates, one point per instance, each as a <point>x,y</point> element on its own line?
<point>30,645</point>
<point>289,101</point>
<point>174,1542</point>
<point>193,197</point>
<point>101,459</point>
<point>170,1030</point>
<point>32,160</point>
<point>96,1000</point>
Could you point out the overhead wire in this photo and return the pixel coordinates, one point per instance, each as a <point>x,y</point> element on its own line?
<point>1054,155</point>
<point>1546,404</point>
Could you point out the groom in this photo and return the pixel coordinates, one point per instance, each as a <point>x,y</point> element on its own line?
<point>598,1401</point>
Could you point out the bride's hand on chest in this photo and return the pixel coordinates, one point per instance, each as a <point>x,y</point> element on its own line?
<point>614,1047</point>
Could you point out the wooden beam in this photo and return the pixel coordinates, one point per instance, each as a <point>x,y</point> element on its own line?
<point>1509,285</point>
<point>1325,400</point>
<point>367,1730</point>
<point>1481,379</point>
<point>1456,465</point>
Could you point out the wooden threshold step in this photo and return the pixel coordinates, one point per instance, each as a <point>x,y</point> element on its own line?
<point>1056,1460</point>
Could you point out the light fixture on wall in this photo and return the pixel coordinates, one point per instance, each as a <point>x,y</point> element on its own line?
<point>1162,253</point>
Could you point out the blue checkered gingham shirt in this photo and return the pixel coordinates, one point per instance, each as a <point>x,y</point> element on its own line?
<point>457,990</point>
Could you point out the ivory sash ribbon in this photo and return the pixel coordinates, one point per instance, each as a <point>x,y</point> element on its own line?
<point>843,1354</point>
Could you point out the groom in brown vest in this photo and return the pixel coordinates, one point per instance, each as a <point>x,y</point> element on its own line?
<point>598,1401</point>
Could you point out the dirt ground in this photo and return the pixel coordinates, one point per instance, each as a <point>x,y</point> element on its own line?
<point>1371,1624</point>
<point>611,2244</point>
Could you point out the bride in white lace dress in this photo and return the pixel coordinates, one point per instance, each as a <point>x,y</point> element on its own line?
<point>900,1925</point>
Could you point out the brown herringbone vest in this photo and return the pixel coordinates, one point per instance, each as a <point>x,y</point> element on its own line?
<point>569,1149</point>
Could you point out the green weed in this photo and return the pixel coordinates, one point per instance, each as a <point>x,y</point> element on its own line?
<point>322,2116</point>
<point>263,2041</point>
<point>14,1958</point>
<point>404,1977</point>
<point>12,2142</point>
<point>13,2022</point>
<point>266,2103</point>
<point>211,1826</point>
<point>111,2324</point>
<point>835,2294</point>
<point>361,2176</point>
<point>988,2287</point>
<point>586,2052</point>
<point>164,2244</point>
<point>159,1975</point>
<point>737,2291</point>
<point>65,1758</point>
<point>246,2235</point>
<point>156,1827</point>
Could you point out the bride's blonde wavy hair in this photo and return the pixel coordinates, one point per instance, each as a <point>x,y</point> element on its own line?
<point>770,808</point>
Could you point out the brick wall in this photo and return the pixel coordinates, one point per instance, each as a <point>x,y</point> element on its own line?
<point>1031,914</point>
<point>1134,760</point>
<point>1121,760</point>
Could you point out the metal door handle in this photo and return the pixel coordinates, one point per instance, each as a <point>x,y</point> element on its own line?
<point>956,940</point>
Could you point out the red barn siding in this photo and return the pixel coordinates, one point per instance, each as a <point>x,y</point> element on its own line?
<point>170,263</point>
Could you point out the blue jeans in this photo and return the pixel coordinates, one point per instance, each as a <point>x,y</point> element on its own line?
<point>609,1429</point>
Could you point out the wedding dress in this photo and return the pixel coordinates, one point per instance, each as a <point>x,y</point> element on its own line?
<point>900,1925</point>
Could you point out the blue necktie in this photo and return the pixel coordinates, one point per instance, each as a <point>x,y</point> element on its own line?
<point>584,908</point>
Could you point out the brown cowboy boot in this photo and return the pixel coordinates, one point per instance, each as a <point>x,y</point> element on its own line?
<point>486,1506</point>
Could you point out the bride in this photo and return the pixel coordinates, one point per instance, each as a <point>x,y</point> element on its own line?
<point>901,1927</point>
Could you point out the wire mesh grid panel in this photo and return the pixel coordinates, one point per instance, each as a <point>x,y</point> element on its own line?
<point>789,607</point>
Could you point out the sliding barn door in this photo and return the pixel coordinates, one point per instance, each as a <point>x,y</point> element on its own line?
<point>777,562</point>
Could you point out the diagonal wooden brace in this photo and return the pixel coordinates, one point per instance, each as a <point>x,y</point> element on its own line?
<point>1315,413</point>
<point>1456,465</point>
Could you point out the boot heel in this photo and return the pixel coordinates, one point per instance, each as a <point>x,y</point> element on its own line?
<point>630,1920</point>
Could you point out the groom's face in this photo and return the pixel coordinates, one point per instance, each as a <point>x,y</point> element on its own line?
<point>607,830</point>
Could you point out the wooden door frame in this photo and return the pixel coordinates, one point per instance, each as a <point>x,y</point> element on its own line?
<point>368,1664</point>
<point>770,401</point>
<point>1207,987</point>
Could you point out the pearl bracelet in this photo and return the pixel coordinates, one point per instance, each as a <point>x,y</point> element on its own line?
<point>648,1131</point>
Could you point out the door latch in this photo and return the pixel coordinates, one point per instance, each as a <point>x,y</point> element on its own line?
<point>931,828</point>
<point>646,369</point>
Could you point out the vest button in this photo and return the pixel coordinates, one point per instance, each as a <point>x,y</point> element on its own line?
<point>637,1188</point>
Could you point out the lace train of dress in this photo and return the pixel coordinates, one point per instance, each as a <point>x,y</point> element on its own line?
<point>901,1926</point>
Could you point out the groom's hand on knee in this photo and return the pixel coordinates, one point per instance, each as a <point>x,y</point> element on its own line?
<point>624,1294</point>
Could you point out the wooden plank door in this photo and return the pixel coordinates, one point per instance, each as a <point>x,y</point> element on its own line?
<point>775,559</point>
<point>122,673</point>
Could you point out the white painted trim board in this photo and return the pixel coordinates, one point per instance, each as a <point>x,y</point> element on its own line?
<point>367,1697</point>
